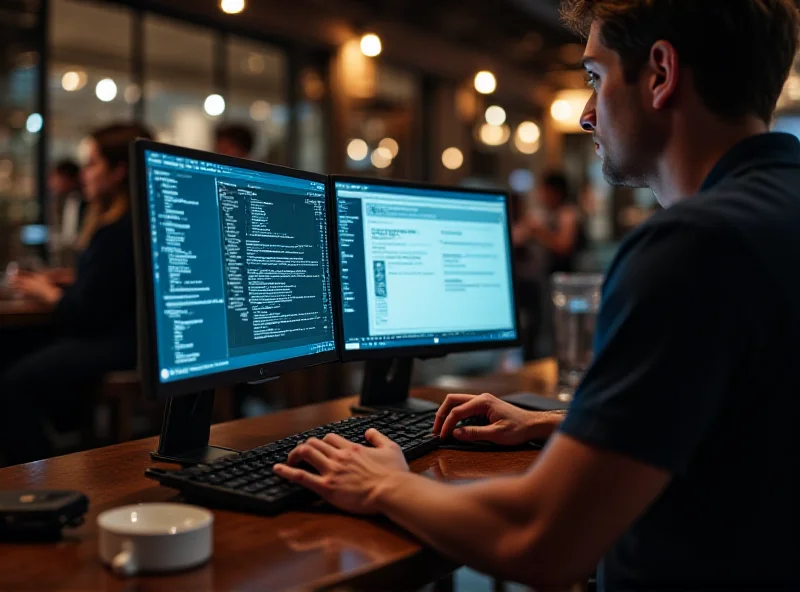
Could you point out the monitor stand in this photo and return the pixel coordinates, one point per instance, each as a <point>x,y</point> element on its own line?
<point>386,386</point>
<point>186,429</point>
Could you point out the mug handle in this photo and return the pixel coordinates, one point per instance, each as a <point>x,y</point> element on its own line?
<point>124,563</point>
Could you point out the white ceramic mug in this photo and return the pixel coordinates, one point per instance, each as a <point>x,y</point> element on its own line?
<point>155,538</point>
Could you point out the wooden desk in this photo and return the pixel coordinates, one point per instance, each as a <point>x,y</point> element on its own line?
<point>298,550</point>
<point>24,313</point>
<point>535,377</point>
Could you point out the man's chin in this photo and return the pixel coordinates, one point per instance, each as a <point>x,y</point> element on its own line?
<point>618,178</point>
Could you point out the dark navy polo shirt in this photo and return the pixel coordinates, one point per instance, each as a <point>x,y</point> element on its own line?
<point>697,372</point>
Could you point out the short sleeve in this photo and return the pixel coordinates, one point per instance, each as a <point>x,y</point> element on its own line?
<point>671,327</point>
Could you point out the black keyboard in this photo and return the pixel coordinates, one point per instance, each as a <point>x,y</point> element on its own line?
<point>246,482</point>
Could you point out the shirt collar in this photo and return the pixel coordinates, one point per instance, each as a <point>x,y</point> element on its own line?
<point>773,146</point>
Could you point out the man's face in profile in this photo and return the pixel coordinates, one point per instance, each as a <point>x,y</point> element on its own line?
<point>617,116</point>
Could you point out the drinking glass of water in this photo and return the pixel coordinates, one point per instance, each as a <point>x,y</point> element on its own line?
<point>576,298</point>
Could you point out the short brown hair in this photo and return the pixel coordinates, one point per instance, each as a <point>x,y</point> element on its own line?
<point>113,141</point>
<point>237,134</point>
<point>740,51</point>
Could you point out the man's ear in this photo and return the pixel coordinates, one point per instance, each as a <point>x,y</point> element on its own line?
<point>664,69</point>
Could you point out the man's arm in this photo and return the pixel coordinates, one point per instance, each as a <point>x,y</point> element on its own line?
<point>667,304</point>
<point>547,529</point>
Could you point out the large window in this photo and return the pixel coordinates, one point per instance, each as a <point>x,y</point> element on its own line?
<point>89,78</point>
<point>311,119</point>
<point>257,97</point>
<point>380,108</point>
<point>179,78</point>
<point>20,123</point>
<point>387,123</point>
<point>109,62</point>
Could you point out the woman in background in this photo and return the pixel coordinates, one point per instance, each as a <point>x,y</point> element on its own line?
<point>545,243</point>
<point>557,229</point>
<point>96,315</point>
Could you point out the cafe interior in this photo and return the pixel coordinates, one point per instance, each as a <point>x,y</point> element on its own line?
<point>477,100</point>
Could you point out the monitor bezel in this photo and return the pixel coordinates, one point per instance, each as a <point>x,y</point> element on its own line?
<point>422,352</point>
<point>146,311</point>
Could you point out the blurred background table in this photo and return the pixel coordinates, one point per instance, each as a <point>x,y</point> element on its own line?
<point>24,312</point>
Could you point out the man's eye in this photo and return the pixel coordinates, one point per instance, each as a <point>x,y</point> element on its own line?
<point>592,79</point>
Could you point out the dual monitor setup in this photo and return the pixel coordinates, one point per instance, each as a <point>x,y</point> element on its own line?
<point>247,270</point>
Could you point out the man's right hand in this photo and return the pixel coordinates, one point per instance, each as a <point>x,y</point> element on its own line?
<point>508,425</point>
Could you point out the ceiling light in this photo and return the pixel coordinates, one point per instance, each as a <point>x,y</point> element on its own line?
<point>561,110</point>
<point>452,158</point>
<point>526,147</point>
<point>567,108</point>
<point>528,132</point>
<point>231,6</point>
<point>495,115</point>
<point>381,158</point>
<point>485,82</point>
<point>106,90</point>
<point>214,105</point>
<point>72,80</point>
<point>357,150</point>
<point>391,145</point>
<point>494,135</point>
<point>371,45</point>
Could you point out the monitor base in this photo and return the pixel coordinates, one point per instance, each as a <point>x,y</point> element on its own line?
<point>186,429</point>
<point>201,456</point>
<point>386,386</point>
<point>410,405</point>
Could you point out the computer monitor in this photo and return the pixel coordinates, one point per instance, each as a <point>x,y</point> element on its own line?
<point>423,271</point>
<point>233,272</point>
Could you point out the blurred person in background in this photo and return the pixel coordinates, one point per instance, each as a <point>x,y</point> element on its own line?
<point>66,207</point>
<point>546,240</point>
<point>67,212</point>
<point>96,315</point>
<point>557,227</point>
<point>234,139</point>
<point>530,281</point>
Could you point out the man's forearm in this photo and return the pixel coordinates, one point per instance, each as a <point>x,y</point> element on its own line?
<point>543,424</point>
<point>486,525</point>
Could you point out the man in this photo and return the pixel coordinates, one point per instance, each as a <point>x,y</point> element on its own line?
<point>234,140</point>
<point>676,466</point>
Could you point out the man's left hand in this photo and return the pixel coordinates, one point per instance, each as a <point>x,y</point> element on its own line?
<point>350,476</point>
